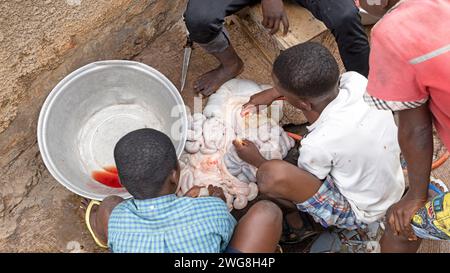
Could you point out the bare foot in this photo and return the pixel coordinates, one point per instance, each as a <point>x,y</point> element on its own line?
<point>294,220</point>
<point>209,82</point>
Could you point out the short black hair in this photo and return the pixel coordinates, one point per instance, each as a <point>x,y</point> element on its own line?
<point>307,70</point>
<point>144,159</point>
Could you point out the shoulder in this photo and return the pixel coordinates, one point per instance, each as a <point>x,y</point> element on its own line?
<point>119,207</point>
<point>209,209</point>
<point>353,81</point>
<point>399,33</point>
<point>205,203</point>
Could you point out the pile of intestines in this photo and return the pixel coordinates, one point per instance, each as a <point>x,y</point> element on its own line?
<point>210,157</point>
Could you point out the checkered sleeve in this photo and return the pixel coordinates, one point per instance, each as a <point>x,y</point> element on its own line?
<point>392,105</point>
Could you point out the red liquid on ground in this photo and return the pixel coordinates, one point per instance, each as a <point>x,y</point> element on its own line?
<point>108,177</point>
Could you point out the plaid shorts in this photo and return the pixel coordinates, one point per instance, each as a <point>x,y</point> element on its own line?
<point>330,208</point>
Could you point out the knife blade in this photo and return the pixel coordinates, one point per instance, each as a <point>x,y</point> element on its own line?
<point>186,60</point>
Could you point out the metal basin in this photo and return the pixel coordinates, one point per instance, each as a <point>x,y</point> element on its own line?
<point>92,108</point>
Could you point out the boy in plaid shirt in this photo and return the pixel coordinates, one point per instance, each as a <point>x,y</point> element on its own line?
<point>156,220</point>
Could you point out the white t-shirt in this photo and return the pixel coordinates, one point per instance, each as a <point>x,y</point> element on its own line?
<point>357,146</point>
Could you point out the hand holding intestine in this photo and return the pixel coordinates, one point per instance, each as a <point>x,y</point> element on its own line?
<point>210,158</point>
<point>248,152</point>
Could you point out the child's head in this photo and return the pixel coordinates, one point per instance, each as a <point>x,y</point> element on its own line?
<point>377,7</point>
<point>306,73</point>
<point>147,163</point>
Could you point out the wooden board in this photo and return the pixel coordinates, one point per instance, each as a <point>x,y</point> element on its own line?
<point>303,28</point>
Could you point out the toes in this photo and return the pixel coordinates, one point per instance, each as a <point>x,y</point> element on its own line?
<point>208,91</point>
<point>201,84</point>
<point>84,203</point>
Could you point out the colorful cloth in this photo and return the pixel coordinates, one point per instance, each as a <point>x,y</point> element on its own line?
<point>330,208</point>
<point>170,224</point>
<point>433,220</point>
<point>411,67</point>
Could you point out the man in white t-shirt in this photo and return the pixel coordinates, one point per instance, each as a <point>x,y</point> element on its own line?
<point>349,165</point>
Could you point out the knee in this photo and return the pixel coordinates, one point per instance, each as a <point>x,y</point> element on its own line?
<point>201,23</point>
<point>197,19</point>
<point>269,175</point>
<point>268,211</point>
<point>345,21</point>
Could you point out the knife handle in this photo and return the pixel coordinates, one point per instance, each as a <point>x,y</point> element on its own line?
<point>189,42</point>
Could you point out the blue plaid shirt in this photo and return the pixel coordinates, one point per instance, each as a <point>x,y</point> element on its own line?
<point>170,224</point>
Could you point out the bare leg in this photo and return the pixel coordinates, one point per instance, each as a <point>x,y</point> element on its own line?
<point>391,243</point>
<point>230,67</point>
<point>205,22</point>
<point>282,180</point>
<point>290,213</point>
<point>259,230</point>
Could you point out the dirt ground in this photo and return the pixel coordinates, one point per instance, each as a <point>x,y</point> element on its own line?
<point>53,220</point>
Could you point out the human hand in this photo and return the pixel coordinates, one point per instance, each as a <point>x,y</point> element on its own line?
<point>194,192</point>
<point>273,15</point>
<point>265,97</point>
<point>248,152</point>
<point>216,192</point>
<point>400,215</point>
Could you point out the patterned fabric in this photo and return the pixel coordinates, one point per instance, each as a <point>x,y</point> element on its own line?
<point>433,220</point>
<point>392,105</point>
<point>170,224</point>
<point>330,208</point>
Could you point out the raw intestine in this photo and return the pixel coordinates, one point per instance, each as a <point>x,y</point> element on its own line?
<point>210,157</point>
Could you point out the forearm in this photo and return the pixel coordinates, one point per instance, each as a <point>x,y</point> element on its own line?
<point>102,216</point>
<point>416,142</point>
<point>274,94</point>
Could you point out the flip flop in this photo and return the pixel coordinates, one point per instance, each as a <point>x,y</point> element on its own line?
<point>88,224</point>
<point>299,234</point>
<point>432,187</point>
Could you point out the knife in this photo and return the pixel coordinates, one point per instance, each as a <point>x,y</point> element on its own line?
<point>186,59</point>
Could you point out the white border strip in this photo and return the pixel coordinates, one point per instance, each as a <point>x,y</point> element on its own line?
<point>430,55</point>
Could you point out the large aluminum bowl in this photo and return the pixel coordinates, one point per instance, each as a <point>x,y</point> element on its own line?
<point>89,110</point>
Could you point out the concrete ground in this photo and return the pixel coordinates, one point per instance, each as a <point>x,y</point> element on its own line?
<point>52,219</point>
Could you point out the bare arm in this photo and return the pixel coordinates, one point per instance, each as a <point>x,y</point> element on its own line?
<point>265,97</point>
<point>416,142</point>
<point>100,217</point>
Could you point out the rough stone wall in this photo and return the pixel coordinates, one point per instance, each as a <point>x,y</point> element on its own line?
<point>41,41</point>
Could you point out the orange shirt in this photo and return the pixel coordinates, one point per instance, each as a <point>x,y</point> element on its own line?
<point>410,60</point>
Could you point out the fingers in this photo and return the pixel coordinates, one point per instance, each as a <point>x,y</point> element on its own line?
<point>246,109</point>
<point>397,228</point>
<point>218,192</point>
<point>246,142</point>
<point>392,221</point>
<point>264,21</point>
<point>270,23</point>
<point>276,26</point>
<point>211,190</point>
<point>405,223</point>
<point>193,192</point>
<point>238,143</point>
<point>285,24</point>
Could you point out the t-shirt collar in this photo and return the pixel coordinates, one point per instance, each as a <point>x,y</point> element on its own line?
<point>325,111</point>
<point>153,202</point>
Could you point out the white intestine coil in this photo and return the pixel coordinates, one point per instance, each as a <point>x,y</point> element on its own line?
<point>210,157</point>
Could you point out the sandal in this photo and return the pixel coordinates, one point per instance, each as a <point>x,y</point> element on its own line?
<point>439,182</point>
<point>88,224</point>
<point>293,235</point>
